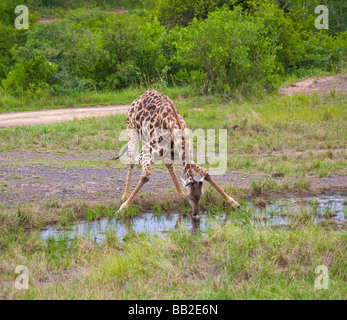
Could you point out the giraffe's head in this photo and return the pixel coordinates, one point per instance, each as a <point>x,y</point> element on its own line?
<point>194,194</point>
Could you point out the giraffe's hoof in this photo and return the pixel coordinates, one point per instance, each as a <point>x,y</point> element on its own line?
<point>195,217</point>
<point>233,203</point>
<point>122,208</point>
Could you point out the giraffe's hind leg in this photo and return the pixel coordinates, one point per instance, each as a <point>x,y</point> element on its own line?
<point>174,178</point>
<point>204,173</point>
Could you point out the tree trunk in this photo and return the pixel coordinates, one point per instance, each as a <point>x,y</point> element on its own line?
<point>209,77</point>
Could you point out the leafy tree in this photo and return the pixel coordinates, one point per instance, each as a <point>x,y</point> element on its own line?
<point>31,77</point>
<point>9,35</point>
<point>182,12</point>
<point>133,50</point>
<point>226,50</point>
<point>290,27</point>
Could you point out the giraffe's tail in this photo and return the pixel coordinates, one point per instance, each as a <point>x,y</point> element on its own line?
<point>121,152</point>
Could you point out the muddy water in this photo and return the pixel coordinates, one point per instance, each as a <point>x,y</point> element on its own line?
<point>278,213</point>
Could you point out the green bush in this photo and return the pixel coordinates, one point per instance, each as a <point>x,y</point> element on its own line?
<point>94,49</point>
<point>132,51</point>
<point>182,12</point>
<point>291,29</point>
<point>9,35</point>
<point>226,50</point>
<point>213,45</point>
<point>30,77</point>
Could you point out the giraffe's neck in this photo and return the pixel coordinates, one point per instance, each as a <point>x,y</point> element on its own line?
<point>186,154</point>
<point>188,172</point>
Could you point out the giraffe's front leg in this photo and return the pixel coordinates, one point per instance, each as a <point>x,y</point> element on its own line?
<point>175,180</point>
<point>204,173</point>
<point>146,174</point>
<point>133,140</point>
<point>227,198</point>
<point>127,183</point>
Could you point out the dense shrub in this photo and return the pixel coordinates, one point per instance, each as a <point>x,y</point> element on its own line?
<point>9,35</point>
<point>226,50</point>
<point>31,77</point>
<point>132,51</point>
<point>298,43</point>
<point>182,12</point>
<point>97,50</point>
<point>213,45</point>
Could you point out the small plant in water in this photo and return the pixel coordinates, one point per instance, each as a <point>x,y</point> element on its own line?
<point>93,213</point>
<point>65,221</point>
<point>302,184</point>
<point>89,214</point>
<point>262,186</point>
<point>156,208</point>
<point>183,209</point>
<point>302,217</point>
<point>216,209</point>
<point>109,212</point>
<point>57,248</point>
<point>111,239</point>
<point>327,213</point>
<point>130,211</point>
<point>167,204</point>
<point>314,203</point>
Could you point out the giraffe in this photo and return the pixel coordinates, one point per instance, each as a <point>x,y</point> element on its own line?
<point>153,119</point>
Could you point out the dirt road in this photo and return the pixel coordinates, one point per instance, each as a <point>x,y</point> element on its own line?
<point>320,85</point>
<point>31,118</point>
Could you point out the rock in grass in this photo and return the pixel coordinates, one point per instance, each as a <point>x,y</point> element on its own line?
<point>277,175</point>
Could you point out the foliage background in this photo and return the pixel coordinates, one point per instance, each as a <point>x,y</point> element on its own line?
<point>213,46</point>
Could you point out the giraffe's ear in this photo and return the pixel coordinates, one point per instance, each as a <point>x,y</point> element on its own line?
<point>183,183</point>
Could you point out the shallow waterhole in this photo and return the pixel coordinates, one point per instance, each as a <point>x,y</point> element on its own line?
<point>277,214</point>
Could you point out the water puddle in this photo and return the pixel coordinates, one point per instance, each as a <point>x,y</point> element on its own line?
<point>277,213</point>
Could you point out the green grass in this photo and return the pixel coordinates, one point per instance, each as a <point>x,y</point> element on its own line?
<point>300,136</point>
<point>227,262</point>
<point>9,103</point>
<point>232,260</point>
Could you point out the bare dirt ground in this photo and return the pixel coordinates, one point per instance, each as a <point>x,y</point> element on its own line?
<point>24,182</point>
<point>21,182</point>
<point>320,85</point>
<point>46,20</point>
<point>31,118</point>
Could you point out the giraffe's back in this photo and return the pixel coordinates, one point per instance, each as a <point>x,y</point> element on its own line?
<point>156,109</point>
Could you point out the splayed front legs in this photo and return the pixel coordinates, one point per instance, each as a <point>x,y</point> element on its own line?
<point>175,180</point>
<point>127,183</point>
<point>204,173</point>
<point>146,174</point>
